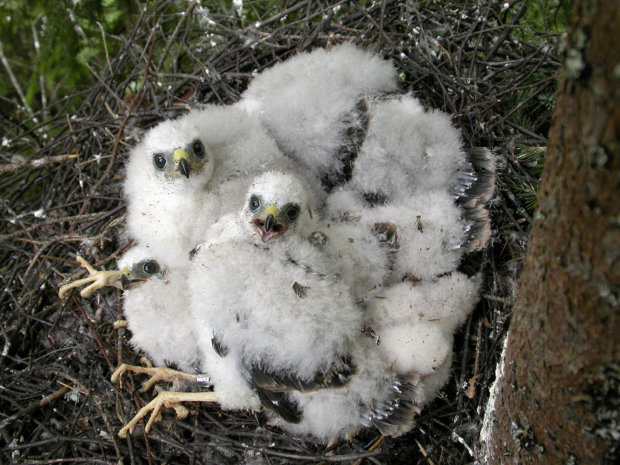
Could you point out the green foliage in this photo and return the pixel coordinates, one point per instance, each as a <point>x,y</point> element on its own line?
<point>532,104</point>
<point>49,44</point>
<point>532,160</point>
<point>547,15</point>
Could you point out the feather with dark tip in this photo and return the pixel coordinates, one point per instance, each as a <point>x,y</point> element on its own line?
<point>280,403</point>
<point>396,415</point>
<point>354,137</point>
<point>374,199</point>
<point>338,376</point>
<point>273,389</point>
<point>194,251</point>
<point>218,347</point>
<point>387,235</point>
<point>474,189</point>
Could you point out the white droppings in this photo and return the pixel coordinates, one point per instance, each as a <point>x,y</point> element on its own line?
<point>40,213</point>
<point>238,5</point>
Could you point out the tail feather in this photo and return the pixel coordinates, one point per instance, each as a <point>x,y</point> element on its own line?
<point>397,416</point>
<point>475,188</point>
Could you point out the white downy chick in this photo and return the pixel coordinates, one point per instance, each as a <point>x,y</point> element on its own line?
<point>289,327</point>
<point>428,230</point>
<point>414,323</point>
<point>311,105</point>
<point>407,150</point>
<point>408,153</point>
<point>189,171</point>
<point>156,307</point>
<point>363,254</point>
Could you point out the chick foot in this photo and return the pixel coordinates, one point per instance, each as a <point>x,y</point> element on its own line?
<point>165,399</point>
<point>156,374</point>
<point>97,279</point>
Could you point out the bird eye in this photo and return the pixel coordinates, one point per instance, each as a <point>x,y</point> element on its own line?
<point>198,148</point>
<point>254,203</point>
<point>150,267</point>
<point>292,212</point>
<point>159,160</point>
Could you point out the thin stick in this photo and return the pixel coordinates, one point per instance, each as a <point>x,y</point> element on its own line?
<point>15,83</point>
<point>38,163</point>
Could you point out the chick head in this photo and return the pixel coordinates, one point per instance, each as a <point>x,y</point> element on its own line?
<point>172,155</point>
<point>277,206</point>
<point>136,268</point>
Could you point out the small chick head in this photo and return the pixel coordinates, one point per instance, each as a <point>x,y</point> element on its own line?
<point>277,205</point>
<point>137,269</point>
<point>173,152</point>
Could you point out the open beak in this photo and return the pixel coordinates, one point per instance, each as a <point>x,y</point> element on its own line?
<point>268,227</point>
<point>181,160</point>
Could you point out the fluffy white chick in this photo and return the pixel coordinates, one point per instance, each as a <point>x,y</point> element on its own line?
<point>156,308</point>
<point>422,316</point>
<point>414,323</point>
<point>428,231</point>
<point>188,171</point>
<point>363,253</point>
<point>409,153</point>
<point>407,149</point>
<point>313,105</point>
<point>288,325</point>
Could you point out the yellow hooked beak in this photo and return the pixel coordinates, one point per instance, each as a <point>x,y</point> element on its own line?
<point>181,160</point>
<point>268,227</point>
<point>127,281</point>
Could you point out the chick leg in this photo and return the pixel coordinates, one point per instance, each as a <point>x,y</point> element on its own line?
<point>165,399</point>
<point>156,374</point>
<point>97,280</point>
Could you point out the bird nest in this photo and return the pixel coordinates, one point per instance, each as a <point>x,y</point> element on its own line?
<point>474,60</point>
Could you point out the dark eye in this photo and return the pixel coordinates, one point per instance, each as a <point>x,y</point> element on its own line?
<point>198,149</point>
<point>292,212</point>
<point>150,267</point>
<point>159,160</point>
<point>254,203</point>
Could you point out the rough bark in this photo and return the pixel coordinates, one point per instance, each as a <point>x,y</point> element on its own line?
<point>556,399</point>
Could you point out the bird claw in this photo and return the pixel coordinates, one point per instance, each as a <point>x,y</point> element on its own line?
<point>167,399</point>
<point>97,279</point>
<point>156,374</point>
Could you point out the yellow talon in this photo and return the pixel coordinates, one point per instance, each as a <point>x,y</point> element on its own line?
<point>165,399</point>
<point>97,279</point>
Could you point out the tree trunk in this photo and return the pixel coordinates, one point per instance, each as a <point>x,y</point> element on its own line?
<point>556,397</point>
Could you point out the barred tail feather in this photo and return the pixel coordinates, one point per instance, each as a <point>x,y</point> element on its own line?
<point>474,190</point>
<point>398,416</point>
